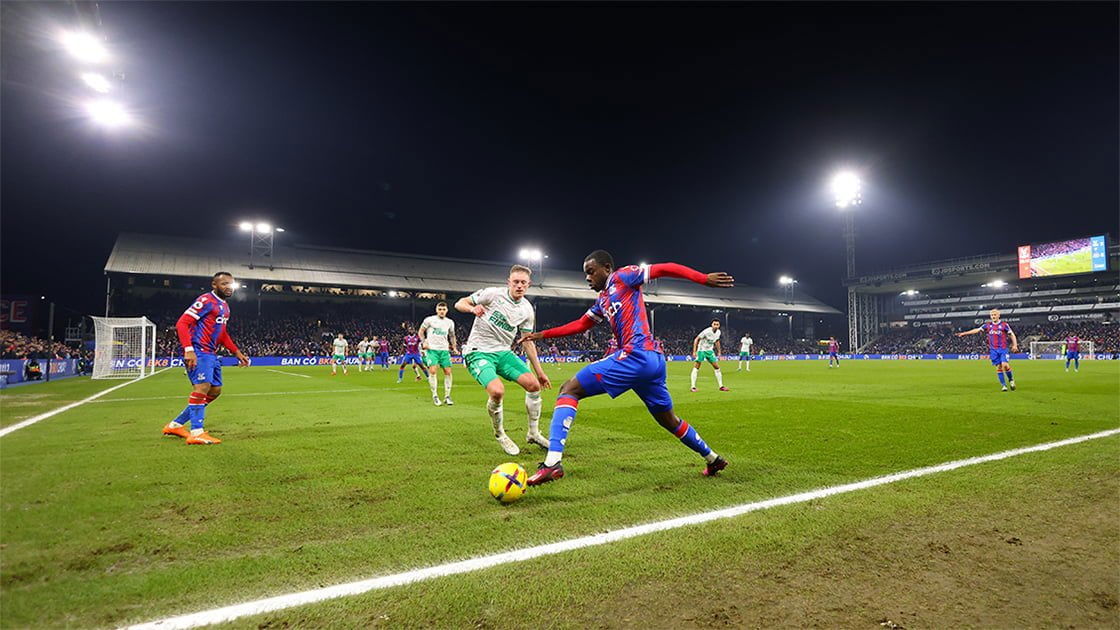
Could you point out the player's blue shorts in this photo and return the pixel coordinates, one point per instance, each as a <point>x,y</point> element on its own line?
<point>1073,354</point>
<point>998,355</point>
<point>208,370</point>
<point>412,358</point>
<point>383,358</point>
<point>642,371</point>
<point>833,355</point>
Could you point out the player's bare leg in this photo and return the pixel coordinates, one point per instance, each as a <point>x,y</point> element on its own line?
<point>532,387</point>
<point>496,390</point>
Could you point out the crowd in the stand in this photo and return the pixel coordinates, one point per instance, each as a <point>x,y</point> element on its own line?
<point>1060,248</point>
<point>943,340</point>
<point>13,345</point>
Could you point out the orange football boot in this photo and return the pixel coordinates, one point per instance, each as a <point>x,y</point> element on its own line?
<point>180,431</point>
<point>203,438</point>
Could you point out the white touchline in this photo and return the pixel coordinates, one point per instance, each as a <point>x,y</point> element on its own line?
<point>54,412</point>
<point>289,373</point>
<point>313,391</point>
<point>280,602</point>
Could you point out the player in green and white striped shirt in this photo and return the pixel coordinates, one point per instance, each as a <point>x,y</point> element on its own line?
<point>437,339</point>
<point>339,357</point>
<point>501,314</point>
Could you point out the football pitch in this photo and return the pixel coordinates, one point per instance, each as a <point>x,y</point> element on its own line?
<point>1080,261</point>
<point>324,480</point>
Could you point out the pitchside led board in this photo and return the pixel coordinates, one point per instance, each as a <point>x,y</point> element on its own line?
<point>1062,258</point>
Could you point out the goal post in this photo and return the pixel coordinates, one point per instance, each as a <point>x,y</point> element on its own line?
<point>1057,350</point>
<point>124,347</point>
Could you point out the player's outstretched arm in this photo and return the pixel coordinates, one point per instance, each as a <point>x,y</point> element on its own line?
<point>673,270</point>
<point>582,324</point>
<point>530,349</point>
<point>969,332</point>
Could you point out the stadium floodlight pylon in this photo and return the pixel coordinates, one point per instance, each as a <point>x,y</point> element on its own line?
<point>124,347</point>
<point>1057,350</point>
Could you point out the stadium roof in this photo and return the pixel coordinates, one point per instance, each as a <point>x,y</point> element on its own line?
<point>151,254</point>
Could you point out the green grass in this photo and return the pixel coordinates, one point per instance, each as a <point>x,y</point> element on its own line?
<point>323,480</point>
<point>1080,261</point>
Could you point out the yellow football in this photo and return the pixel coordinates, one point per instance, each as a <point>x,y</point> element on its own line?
<point>507,482</point>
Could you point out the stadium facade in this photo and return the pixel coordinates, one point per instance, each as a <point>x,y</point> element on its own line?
<point>959,292</point>
<point>174,263</point>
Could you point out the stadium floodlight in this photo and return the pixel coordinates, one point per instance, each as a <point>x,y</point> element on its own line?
<point>846,189</point>
<point>910,292</point>
<point>84,47</point>
<point>392,294</point>
<point>263,228</point>
<point>108,114</point>
<point>279,229</point>
<point>96,82</point>
<point>246,226</point>
<point>786,281</point>
<point>994,284</point>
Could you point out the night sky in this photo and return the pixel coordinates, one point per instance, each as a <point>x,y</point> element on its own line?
<point>700,134</point>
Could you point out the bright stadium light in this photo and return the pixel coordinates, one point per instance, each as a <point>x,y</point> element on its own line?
<point>263,228</point>
<point>846,189</point>
<point>786,281</point>
<point>108,114</point>
<point>96,82</point>
<point>279,229</point>
<point>392,294</point>
<point>523,254</point>
<point>246,226</point>
<point>910,292</point>
<point>994,284</point>
<point>84,47</point>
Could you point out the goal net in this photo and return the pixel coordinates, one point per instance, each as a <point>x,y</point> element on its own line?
<point>124,347</point>
<point>1057,350</point>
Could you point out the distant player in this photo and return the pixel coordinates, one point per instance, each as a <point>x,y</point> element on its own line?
<point>706,347</point>
<point>1073,352</point>
<point>411,355</point>
<point>338,354</point>
<point>998,332</point>
<point>500,313</point>
<point>363,354</point>
<point>554,352</point>
<point>658,346</point>
<point>636,366</point>
<point>612,347</point>
<point>833,352</point>
<point>201,329</point>
<point>745,344</point>
<point>383,353</point>
<point>437,338</point>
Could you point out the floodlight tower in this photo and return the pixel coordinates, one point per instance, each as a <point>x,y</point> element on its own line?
<point>531,256</point>
<point>862,309</point>
<point>261,238</point>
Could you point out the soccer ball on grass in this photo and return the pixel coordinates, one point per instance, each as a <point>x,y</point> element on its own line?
<point>507,482</point>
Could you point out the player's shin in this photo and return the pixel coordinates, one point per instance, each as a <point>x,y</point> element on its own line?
<point>183,418</point>
<point>446,385</point>
<point>433,384</point>
<point>196,406</point>
<point>497,416</point>
<point>719,377</point>
<point>999,373</point>
<point>690,438</point>
<point>562,418</point>
<point>533,408</point>
<point>695,371</point>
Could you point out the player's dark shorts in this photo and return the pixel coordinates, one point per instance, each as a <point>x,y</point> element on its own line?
<point>1073,354</point>
<point>834,355</point>
<point>998,355</point>
<point>383,358</point>
<point>412,357</point>
<point>207,370</point>
<point>642,371</point>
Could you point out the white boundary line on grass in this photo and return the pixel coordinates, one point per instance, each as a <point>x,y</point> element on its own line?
<point>54,412</point>
<point>288,373</point>
<point>280,602</point>
<point>236,395</point>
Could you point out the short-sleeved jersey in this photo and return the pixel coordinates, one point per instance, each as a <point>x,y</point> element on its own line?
<point>708,338</point>
<point>1073,343</point>
<point>384,345</point>
<point>340,345</point>
<point>502,319</point>
<point>997,334</point>
<point>411,344</point>
<point>833,347</point>
<point>440,331</point>
<point>363,345</point>
<point>211,315</point>
<point>745,344</point>
<point>621,303</point>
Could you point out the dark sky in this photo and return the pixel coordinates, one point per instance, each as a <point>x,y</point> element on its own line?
<point>701,134</point>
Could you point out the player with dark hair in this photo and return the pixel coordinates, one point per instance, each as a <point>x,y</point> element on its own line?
<point>706,347</point>
<point>635,366</point>
<point>833,352</point>
<point>411,355</point>
<point>1073,352</point>
<point>202,328</point>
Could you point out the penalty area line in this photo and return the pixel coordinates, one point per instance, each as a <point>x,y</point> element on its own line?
<point>281,602</point>
<point>288,373</point>
<point>54,412</point>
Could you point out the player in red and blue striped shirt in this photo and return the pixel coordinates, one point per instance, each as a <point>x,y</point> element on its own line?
<point>636,365</point>
<point>201,329</point>
<point>998,333</point>
<point>1073,352</point>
